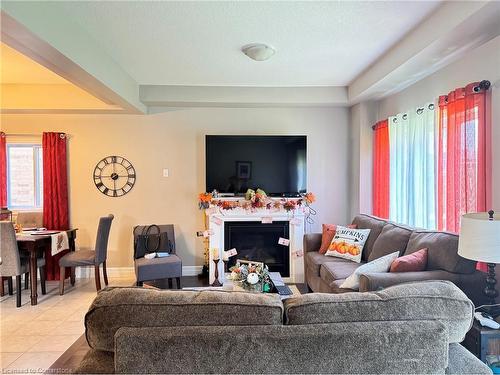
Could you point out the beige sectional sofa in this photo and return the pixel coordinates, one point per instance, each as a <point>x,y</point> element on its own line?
<point>326,274</point>
<point>411,328</point>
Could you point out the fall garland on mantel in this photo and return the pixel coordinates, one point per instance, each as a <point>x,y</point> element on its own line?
<point>259,200</point>
<point>253,201</point>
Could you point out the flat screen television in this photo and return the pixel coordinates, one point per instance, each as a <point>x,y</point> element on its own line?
<point>275,164</point>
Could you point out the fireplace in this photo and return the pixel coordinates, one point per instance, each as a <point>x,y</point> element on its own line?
<point>258,242</point>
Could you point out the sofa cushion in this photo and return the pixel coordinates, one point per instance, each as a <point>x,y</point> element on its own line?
<point>332,271</point>
<point>392,238</point>
<point>414,262</point>
<point>328,232</point>
<point>314,260</point>
<point>442,251</point>
<point>114,308</point>
<point>369,222</point>
<point>430,300</point>
<point>381,264</point>
<point>348,243</point>
<point>327,235</point>
<point>335,287</point>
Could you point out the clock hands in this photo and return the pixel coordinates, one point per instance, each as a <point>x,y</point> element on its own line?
<point>117,169</point>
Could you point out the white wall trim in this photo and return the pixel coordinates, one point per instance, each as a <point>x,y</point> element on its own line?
<point>88,272</point>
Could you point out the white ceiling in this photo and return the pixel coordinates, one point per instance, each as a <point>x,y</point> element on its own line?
<point>198,43</point>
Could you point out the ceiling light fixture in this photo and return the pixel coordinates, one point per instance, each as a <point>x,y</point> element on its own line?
<point>258,51</point>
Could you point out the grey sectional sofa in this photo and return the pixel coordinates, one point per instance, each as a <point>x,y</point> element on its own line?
<point>410,328</point>
<point>326,274</point>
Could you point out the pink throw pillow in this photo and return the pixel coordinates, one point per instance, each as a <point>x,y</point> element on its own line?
<point>414,262</point>
<point>329,231</point>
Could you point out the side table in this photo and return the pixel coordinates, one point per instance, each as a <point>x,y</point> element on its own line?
<point>483,342</point>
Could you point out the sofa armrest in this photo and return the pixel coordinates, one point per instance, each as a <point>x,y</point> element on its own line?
<point>312,242</point>
<point>375,281</point>
<point>461,361</point>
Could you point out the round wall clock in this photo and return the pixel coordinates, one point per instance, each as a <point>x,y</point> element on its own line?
<point>114,176</point>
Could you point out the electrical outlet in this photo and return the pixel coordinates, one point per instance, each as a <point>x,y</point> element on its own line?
<point>165,172</point>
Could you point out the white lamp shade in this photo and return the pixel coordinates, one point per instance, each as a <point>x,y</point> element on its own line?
<point>480,238</point>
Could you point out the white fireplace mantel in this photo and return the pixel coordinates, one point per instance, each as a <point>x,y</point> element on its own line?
<point>217,218</point>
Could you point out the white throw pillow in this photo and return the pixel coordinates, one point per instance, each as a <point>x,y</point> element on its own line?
<point>348,243</point>
<point>382,264</point>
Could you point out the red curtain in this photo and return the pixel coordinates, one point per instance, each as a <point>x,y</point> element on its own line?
<point>55,193</point>
<point>381,169</point>
<point>464,155</point>
<point>3,170</point>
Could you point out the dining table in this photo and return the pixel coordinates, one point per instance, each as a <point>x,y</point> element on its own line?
<point>35,245</point>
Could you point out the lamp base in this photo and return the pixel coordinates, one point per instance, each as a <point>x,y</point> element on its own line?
<point>490,291</point>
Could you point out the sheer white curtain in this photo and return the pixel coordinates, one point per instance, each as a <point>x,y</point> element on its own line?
<point>412,167</point>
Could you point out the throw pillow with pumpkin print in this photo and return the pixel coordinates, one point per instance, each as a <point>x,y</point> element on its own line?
<point>348,243</point>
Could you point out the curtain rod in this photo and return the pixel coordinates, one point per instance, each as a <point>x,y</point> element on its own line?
<point>21,135</point>
<point>483,85</point>
<point>29,135</point>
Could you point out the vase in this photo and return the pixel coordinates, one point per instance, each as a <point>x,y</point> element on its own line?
<point>244,286</point>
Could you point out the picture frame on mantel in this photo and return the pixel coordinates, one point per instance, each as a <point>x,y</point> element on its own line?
<point>244,170</point>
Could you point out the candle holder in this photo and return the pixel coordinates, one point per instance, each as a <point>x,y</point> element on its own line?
<point>216,275</point>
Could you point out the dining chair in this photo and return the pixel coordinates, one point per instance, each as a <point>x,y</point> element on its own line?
<point>89,258</point>
<point>13,264</point>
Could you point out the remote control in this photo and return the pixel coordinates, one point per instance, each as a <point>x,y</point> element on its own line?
<point>484,321</point>
<point>283,290</point>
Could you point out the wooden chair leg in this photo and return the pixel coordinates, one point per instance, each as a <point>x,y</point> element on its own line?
<point>72,277</point>
<point>18,291</point>
<point>105,273</point>
<point>9,285</point>
<point>2,290</point>
<point>97,278</point>
<point>62,276</point>
<point>26,280</point>
<point>169,283</point>
<point>42,279</point>
<point>178,279</point>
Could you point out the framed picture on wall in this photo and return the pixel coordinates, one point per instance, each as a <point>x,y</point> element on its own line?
<point>244,169</point>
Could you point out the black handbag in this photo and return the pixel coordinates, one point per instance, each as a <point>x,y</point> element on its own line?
<point>148,241</point>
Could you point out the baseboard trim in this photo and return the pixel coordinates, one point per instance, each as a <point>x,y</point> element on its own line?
<point>88,272</point>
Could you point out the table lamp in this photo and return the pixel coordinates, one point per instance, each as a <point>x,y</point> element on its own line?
<point>480,240</point>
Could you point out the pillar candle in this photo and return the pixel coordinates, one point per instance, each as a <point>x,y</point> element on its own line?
<point>215,254</point>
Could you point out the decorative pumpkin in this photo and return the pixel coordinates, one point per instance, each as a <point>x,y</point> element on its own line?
<point>252,278</point>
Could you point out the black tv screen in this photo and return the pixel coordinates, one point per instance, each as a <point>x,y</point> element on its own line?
<point>275,164</point>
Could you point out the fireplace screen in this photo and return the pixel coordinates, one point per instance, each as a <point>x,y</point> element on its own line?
<point>259,242</point>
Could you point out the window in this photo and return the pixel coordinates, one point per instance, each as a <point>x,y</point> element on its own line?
<point>437,173</point>
<point>24,176</point>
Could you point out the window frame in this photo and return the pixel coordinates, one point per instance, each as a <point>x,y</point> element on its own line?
<point>38,178</point>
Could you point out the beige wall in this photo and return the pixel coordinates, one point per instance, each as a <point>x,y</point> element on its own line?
<point>175,140</point>
<point>481,63</point>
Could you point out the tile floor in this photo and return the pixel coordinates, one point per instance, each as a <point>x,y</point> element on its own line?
<point>33,337</point>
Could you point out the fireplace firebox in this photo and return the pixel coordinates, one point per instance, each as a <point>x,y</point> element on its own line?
<point>258,242</point>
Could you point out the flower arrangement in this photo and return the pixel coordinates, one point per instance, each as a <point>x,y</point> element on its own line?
<point>204,200</point>
<point>251,276</point>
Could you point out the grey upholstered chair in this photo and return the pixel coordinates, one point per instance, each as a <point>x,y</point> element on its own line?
<point>159,268</point>
<point>12,263</point>
<point>88,258</point>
